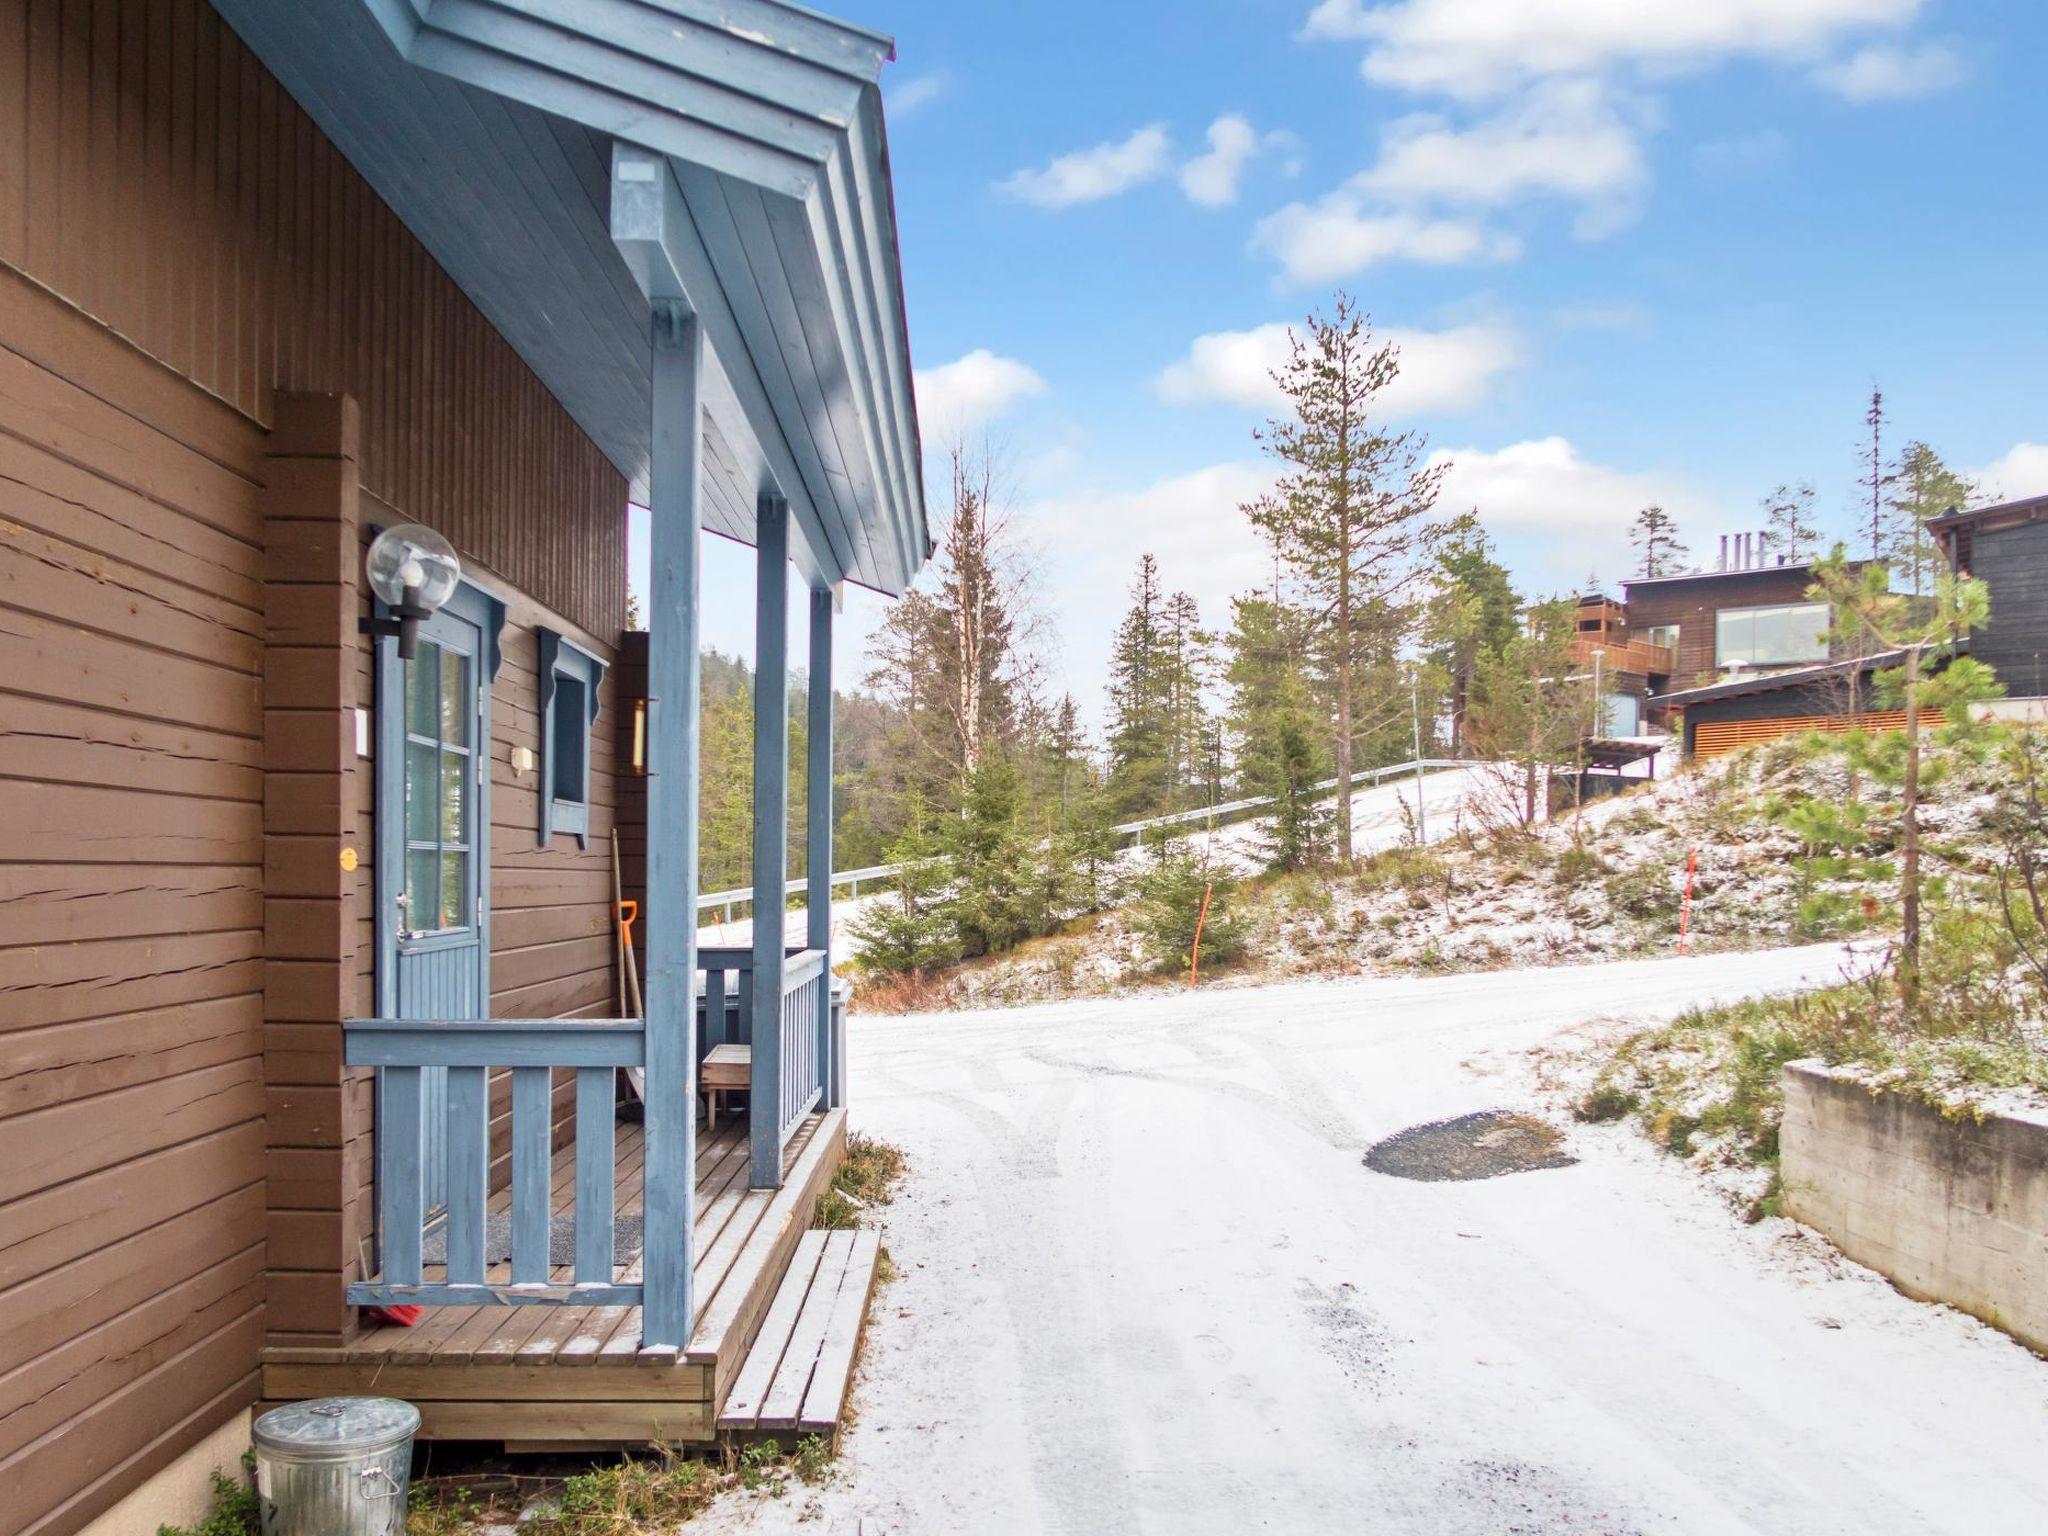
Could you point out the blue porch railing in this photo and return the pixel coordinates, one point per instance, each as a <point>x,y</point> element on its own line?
<point>800,1070</point>
<point>800,1067</point>
<point>469,1050</point>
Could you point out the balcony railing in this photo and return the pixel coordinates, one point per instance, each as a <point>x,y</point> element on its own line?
<point>1637,656</point>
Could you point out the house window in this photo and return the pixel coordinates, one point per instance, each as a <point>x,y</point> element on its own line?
<point>1771,637</point>
<point>1665,635</point>
<point>1620,715</point>
<point>569,676</point>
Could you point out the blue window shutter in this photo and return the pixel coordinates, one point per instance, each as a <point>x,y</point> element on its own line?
<point>569,680</point>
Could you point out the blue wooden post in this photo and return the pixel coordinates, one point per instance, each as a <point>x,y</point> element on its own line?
<point>674,501</point>
<point>771,834</point>
<point>818,825</point>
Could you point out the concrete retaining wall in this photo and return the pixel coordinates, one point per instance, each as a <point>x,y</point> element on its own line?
<point>1952,1210</point>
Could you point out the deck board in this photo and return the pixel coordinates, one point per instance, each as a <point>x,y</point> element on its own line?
<point>578,1374</point>
<point>796,1375</point>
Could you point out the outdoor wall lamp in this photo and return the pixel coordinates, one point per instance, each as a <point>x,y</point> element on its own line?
<point>413,570</point>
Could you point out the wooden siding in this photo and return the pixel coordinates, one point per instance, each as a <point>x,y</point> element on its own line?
<point>154,174</point>
<point>179,249</point>
<point>1713,738</point>
<point>2013,562</point>
<point>1692,604</point>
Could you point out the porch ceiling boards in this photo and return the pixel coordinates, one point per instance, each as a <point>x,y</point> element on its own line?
<point>558,1375</point>
<point>488,125</point>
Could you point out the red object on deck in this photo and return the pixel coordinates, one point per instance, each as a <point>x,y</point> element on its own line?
<point>404,1314</point>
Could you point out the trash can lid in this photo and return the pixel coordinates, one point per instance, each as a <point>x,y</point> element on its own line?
<point>335,1428</point>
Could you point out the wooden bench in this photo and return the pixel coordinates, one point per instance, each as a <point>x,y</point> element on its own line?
<point>795,1378</point>
<point>726,1069</point>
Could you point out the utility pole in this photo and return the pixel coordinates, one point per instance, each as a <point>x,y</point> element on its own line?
<point>1415,721</point>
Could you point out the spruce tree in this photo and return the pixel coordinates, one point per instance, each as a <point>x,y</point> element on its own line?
<point>1139,707</point>
<point>1923,487</point>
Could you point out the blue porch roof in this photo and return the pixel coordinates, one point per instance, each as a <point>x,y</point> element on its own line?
<point>488,126</point>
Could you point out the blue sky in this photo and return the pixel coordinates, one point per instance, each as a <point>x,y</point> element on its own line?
<point>1653,250</point>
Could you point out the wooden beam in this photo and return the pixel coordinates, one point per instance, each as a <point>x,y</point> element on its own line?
<point>818,824</point>
<point>673,674</point>
<point>771,834</point>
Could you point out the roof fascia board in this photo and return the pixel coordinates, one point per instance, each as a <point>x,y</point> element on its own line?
<point>784,81</point>
<point>660,243</point>
<point>881,354</point>
<point>873,184</point>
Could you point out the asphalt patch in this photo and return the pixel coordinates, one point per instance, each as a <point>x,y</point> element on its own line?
<point>1482,1146</point>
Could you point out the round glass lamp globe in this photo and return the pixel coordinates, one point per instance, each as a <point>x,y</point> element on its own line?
<point>413,566</point>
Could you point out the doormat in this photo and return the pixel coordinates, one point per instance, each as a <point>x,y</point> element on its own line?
<point>1482,1146</point>
<point>561,1239</point>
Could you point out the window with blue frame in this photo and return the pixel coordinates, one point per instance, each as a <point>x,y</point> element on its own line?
<point>569,678</point>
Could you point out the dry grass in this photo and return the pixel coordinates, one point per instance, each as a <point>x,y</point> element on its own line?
<point>648,1495</point>
<point>865,1180</point>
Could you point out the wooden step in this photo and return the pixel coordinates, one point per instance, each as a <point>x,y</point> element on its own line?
<point>795,1378</point>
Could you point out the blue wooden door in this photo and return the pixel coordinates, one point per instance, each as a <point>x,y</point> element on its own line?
<point>433,835</point>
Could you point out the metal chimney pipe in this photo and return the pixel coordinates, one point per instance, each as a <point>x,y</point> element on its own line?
<point>1724,553</point>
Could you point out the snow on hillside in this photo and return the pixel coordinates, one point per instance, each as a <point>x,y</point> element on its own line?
<point>1602,884</point>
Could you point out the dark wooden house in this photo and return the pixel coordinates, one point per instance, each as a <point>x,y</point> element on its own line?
<point>309,993</point>
<point>2006,547</point>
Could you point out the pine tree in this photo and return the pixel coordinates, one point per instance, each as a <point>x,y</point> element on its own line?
<point>1654,534</point>
<point>1877,476</point>
<point>1789,520</point>
<point>1863,602</point>
<point>1923,487</point>
<point>1351,514</point>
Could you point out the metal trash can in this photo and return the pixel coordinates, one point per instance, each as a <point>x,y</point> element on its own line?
<point>335,1466</point>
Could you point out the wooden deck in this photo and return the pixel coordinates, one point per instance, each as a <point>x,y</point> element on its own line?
<point>553,1376</point>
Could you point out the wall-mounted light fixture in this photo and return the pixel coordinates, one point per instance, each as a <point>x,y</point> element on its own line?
<point>413,570</point>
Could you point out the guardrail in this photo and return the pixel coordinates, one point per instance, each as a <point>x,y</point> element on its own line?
<point>723,902</point>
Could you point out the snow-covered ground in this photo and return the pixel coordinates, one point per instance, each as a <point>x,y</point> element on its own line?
<point>1147,1286</point>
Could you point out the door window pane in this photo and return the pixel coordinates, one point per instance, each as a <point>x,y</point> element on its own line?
<point>571,739</point>
<point>422,889</point>
<point>422,690</point>
<point>454,869</point>
<point>455,705</point>
<point>454,791</point>
<point>421,789</point>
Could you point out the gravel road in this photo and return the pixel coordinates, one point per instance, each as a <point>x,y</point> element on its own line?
<point>1149,1286</point>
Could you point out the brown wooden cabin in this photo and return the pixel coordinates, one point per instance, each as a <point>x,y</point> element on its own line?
<point>309,984</point>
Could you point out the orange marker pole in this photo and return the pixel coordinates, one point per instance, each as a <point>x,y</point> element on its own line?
<point>1195,958</point>
<point>1692,856</point>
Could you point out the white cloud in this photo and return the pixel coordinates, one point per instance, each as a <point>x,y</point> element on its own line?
<point>2019,473</point>
<point>1190,521</point>
<point>1481,47</point>
<point>1212,179</point>
<point>1089,175</point>
<point>1882,72</point>
<point>969,392</point>
<point>1577,510</point>
<point>916,93</point>
<point>1343,233</point>
<point>1563,139</point>
<point>1447,370</point>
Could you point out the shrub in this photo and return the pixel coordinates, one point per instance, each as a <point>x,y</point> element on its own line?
<point>232,1511</point>
<point>1171,892</point>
